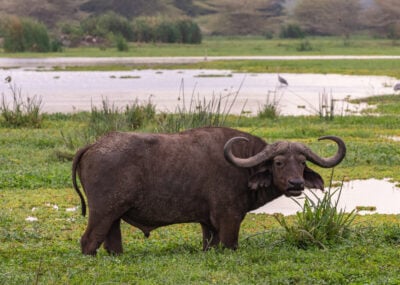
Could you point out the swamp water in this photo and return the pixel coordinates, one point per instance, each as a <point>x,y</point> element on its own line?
<point>367,196</point>
<point>69,91</point>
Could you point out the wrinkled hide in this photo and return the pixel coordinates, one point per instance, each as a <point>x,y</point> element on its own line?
<point>154,180</point>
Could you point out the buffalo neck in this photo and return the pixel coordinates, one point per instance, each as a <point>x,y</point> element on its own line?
<point>262,196</point>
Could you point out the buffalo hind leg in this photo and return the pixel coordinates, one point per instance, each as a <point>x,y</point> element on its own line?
<point>113,241</point>
<point>210,237</point>
<point>96,232</point>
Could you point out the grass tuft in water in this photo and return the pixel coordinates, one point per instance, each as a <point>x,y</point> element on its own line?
<point>199,113</point>
<point>320,223</point>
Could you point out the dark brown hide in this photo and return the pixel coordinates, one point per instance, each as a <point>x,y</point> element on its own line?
<point>154,180</point>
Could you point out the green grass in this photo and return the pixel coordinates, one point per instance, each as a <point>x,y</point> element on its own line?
<point>33,180</point>
<point>250,46</point>
<point>47,251</point>
<point>239,46</point>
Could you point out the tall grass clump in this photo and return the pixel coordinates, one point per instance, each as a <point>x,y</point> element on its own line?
<point>110,118</point>
<point>23,111</point>
<point>326,108</point>
<point>200,112</point>
<point>270,109</point>
<point>104,119</point>
<point>319,223</point>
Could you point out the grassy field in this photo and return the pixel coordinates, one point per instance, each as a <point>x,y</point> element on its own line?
<point>40,221</point>
<point>238,46</point>
<point>35,183</point>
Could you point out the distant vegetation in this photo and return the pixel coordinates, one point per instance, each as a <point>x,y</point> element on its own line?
<point>114,23</point>
<point>25,34</point>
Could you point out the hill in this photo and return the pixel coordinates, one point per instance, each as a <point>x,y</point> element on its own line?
<point>214,17</point>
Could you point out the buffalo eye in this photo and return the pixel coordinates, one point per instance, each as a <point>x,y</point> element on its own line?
<point>278,163</point>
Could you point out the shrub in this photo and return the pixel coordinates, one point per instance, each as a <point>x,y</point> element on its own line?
<point>25,35</point>
<point>109,23</point>
<point>167,32</point>
<point>121,43</point>
<point>291,31</point>
<point>160,30</point>
<point>304,45</point>
<point>189,31</point>
<point>143,31</point>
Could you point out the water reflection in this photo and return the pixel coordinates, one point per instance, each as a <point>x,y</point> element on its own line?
<point>381,194</point>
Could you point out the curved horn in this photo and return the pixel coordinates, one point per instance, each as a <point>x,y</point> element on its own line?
<point>330,161</point>
<point>244,162</point>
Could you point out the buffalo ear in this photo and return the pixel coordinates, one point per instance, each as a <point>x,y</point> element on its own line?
<point>313,179</point>
<point>260,179</point>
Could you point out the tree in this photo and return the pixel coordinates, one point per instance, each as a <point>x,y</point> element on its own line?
<point>245,17</point>
<point>25,35</point>
<point>384,17</point>
<point>328,17</point>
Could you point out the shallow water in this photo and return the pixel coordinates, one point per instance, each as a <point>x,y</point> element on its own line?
<point>65,91</point>
<point>382,194</point>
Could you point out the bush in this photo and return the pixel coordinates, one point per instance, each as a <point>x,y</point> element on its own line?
<point>109,23</point>
<point>121,43</point>
<point>291,31</point>
<point>189,32</point>
<point>304,45</point>
<point>142,30</point>
<point>156,30</point>
<point>25,35</point>
<point>167,32</point>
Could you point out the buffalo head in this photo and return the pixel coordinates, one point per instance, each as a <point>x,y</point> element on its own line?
<point>282,165</point>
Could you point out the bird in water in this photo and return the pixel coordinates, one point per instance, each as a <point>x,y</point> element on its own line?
<point>282,80</point>
<point>7,79</point>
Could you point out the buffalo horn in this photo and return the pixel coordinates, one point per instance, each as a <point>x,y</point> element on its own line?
<point>254,160</point>
<point>330,161</point>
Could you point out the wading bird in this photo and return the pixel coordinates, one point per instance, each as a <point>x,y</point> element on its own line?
<point>282,80</point>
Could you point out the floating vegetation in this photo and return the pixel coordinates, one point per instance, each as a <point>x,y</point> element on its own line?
<point>129,77</point>
<point>213,75</point>
<point>365,208</point>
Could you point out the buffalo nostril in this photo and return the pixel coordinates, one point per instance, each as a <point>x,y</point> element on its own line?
<point>297,183</point>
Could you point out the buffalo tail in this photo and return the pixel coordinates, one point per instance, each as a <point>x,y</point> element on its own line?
<point>75,165</point>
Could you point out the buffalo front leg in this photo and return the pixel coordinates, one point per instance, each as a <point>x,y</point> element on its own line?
<point>113,241</point>
<point>229,232</point>
<point>210,237</point>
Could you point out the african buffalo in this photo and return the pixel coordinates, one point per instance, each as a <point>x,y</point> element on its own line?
<point>211,176</point>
